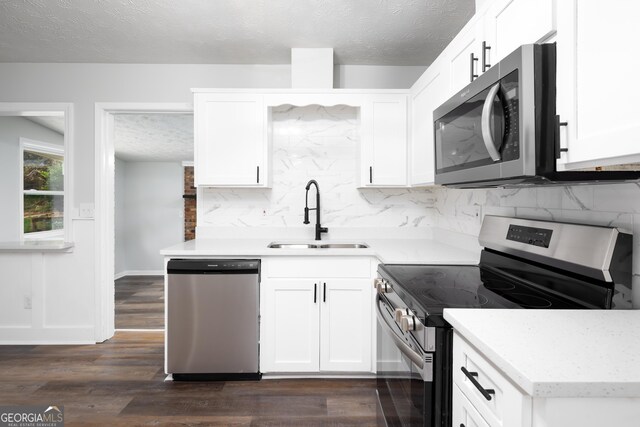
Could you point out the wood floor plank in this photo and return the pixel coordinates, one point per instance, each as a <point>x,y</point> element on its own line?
<point>121,383</point>
<point>139,302</point>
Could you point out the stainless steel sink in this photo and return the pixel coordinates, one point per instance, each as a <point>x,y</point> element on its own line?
<point>278,245</point>
<point>292,246</point>
<point>344,246</point>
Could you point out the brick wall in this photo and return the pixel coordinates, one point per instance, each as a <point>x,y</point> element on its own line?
<point>189,205</point>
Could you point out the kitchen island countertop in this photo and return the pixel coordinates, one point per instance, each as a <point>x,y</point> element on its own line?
<point>558,353</point>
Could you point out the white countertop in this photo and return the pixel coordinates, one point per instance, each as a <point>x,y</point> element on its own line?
<point>405,251</point>
<point>558,353</point>
<point>36,246</point>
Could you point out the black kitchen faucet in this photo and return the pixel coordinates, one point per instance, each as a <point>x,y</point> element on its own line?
<point>319,228</point>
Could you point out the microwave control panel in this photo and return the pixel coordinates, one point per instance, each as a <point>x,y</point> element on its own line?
<point>530,235</point>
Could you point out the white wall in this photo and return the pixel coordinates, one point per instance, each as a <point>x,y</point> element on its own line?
<point>150,215</point>
<point>318,143</point>
<point>120,261</point>
<point>614,205</point>
<point>11,130</point>
<point>85,84</point>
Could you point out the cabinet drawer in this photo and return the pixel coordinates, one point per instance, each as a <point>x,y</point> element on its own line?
<point>324,267</point>
<point>464,414</point>
<point>505,405</point>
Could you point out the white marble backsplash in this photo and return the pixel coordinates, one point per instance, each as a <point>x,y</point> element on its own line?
<point>612,205</point>
<point>318,143</point>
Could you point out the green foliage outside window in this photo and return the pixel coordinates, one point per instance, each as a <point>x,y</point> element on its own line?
<point>43,172</point>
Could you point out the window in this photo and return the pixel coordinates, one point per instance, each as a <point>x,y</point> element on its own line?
<point>42,190</point>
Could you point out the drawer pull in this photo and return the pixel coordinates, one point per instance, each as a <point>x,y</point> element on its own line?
<point>486,392</point>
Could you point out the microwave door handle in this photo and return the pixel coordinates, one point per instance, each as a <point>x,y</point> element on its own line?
<point>487,114</point>
<point>399,342</point>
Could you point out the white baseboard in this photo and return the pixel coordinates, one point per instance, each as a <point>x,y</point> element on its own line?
<point>138,273</point>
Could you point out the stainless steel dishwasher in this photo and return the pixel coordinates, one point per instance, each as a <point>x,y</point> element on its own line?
<point>212,329</point>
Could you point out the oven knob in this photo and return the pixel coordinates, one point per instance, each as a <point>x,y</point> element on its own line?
<point>382,286</point>
<point>410,323</point>
<point>400,312</point>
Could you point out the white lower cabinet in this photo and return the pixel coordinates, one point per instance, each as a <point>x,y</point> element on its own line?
<point>345,325</point>
<point>493,396</point>
<point>505,405</point>
<point>464,413</point>
<point>316,324</point>
<point>290,326</point>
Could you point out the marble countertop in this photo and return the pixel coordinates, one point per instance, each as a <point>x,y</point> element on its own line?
<point>558,353</point>
<point>405,251</point>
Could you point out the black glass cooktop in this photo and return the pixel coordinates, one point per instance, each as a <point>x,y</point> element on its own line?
<point>497,283</point>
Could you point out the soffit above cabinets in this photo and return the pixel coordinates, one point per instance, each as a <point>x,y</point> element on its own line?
<point>393,32</point>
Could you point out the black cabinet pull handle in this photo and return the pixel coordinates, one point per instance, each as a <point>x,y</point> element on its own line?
<point>556,137</point>
<point>324,293</point>
<point>257,174</point>
<point>486,392</point>
<point>461,425</point>
<point>315,293</point>
<point>485,48</point>
<point>370,174</point>
<point>472,62</point>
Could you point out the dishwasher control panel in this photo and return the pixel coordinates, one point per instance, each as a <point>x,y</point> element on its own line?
<point>212,266</point>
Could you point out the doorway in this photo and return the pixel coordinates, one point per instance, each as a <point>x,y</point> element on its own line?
<point>140,150</point>
<point>151,150</point>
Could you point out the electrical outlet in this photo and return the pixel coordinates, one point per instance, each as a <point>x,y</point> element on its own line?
<point>87,210</point>
<point>27,302</point>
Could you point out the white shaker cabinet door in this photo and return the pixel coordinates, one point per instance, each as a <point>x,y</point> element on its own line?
<point>290,325</point>
<point>508,24</point>
<point>230,140</point>
<point>464,413</point>
<point>383,152</point>
<point>459,64</point>
<point>426,95</point>
<point>345,325</point>
<point>597,87</point>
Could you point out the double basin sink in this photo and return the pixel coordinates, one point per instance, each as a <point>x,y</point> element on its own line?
<point>278,245</point>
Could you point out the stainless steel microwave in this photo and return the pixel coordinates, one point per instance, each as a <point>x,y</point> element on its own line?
<point>502,128</point>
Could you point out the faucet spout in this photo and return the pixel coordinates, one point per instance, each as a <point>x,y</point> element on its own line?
<point>319,228</point>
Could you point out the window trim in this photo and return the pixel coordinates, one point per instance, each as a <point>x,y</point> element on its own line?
<point>33,145</point>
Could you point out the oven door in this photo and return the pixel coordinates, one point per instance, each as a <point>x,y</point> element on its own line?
<point>404,384</point>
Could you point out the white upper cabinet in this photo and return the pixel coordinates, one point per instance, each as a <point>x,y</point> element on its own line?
<point>383,145</point>
<point>597,67</point>
<point>426,95</point>
<point>508,24</point>
<point>458,56</point>
<point>231,140</point>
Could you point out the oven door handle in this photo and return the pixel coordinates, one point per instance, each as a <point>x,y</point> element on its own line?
<point>414,356</point>
<point>487,114</point>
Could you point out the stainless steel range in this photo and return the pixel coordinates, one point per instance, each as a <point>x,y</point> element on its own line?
<point>525,264</point>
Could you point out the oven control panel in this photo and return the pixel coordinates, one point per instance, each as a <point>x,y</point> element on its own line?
<point>530,235</point>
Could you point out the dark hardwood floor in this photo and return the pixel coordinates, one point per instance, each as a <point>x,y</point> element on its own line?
<point>140,302</point>
<point>121,383</point>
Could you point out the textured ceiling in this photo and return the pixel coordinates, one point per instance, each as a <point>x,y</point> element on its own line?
<point>373,32</point>
<point>54,123</point>
<point>153,137</point>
